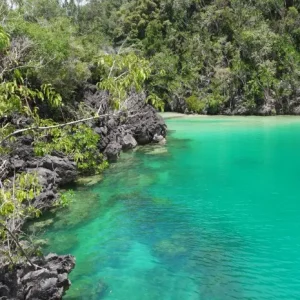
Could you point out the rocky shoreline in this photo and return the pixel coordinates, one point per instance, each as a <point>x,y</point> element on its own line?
<point>139,125</point>
<point>48,281</point>
<point>239,107</point>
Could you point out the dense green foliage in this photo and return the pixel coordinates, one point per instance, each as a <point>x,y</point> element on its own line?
<point>214,54</point>
<point>20,97</point>
<point>16,199</point>
<point>123,72</point>
<point>24,188</point>
<point>217,52</point>
<point>79,142</point>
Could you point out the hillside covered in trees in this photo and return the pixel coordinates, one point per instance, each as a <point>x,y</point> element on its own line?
<point>221,56</point>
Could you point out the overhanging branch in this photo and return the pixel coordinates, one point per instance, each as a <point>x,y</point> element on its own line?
<point>40,128</point>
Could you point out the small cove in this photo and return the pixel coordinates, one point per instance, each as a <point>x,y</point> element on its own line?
<point>214,214</point>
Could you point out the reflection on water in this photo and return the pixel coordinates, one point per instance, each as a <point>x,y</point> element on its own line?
<point>189,220</point>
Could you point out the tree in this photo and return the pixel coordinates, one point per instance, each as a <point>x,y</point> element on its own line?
<point>16,198</point>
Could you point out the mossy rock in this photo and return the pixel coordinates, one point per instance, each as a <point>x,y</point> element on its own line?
<point>158,151</point>
<point>39,225</point>
<point>41,243</point>
<point>84,287</point>
<point>64,242</point>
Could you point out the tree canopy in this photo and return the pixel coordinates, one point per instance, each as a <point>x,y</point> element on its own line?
<point>213,54</point>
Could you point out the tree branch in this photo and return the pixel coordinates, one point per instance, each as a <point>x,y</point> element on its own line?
<point>15,239</point>
<point>38,128</point>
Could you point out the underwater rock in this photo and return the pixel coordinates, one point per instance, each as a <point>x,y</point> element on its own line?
<point>77,214</point>
<point>101,289</point>
<point>157,151</point>
<point>41,243</point>
<point>90,180</point>
<point>41,224</point>
<point>66,242</point>
<point>169,248</point>
<point>96,290</point>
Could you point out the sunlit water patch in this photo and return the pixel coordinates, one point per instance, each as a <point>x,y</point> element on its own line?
<point>214,214</point>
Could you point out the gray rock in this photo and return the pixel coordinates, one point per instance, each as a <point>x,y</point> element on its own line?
<point>158,138</point>
<point>45,176</point>
<point>266,110</point>
<point>140,122</point>
<point>242,110</point>
<point>44,289</point>
<point>295,110</point>
<point>128,142</point>
<point>143,136</point>
<point>4,290</point>
<point>61,264</point>
<point>103,130</point>
<point>98,130</point>
<point>37,275</point>
<point>63,280</point>
<point>177,104</point>
<point>163,142</point>
<point>18,163</point>
<point>46,283</point>
<point>111,123</point>
<point>65,169</point>
<point>112,151</point>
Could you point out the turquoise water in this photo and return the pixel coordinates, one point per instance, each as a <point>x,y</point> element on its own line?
<point>215,214</point>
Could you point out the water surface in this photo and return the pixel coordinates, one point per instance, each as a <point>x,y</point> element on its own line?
<point>214,214</point>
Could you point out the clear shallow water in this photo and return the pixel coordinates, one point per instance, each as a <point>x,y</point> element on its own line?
<point>214,215</point>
